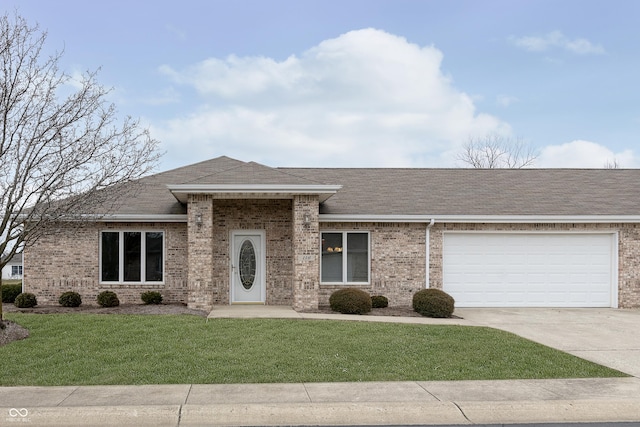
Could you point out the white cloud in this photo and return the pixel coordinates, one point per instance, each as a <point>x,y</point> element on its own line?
<point>506,100</point>
<point>557,39</point>
<point>366,97</point>
<point>583,154</point>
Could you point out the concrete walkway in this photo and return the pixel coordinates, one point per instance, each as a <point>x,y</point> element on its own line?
<point>610,335</point>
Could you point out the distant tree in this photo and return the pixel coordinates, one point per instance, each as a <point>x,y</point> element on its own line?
<point>612,164</point>
<point>62,146</point>
<point>496,151</point>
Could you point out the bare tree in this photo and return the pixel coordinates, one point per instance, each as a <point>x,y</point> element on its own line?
<point>496,151</point>
<point>63,149</point>
<point>612,164</point>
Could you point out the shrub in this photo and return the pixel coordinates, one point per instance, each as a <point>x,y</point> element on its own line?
<point>151,297</point>
<point>433,303</point>
<point>379,301</point>
<point>10,292</point>
<point>350,301</point>
<point>70,299</point>
<point>25,300</point>
<point>108,299</point>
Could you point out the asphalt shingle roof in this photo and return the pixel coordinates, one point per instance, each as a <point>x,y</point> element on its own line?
<point>482,191</point>
<point>398,191</point>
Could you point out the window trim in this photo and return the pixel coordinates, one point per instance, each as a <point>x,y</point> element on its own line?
<point>345,252</point>
<point>143,257</point>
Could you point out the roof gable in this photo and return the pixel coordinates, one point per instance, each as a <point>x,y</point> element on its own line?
<point>249,174</point>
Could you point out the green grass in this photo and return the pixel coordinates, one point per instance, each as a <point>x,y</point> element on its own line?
<point>82,349</point>
<point>11,282</point>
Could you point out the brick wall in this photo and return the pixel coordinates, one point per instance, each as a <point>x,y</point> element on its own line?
<point>210,257</point>
<point>67,259</point>
<point>629,265</point>
<point>398,260</point>
<point>306,247</point>
<point>202,290</point>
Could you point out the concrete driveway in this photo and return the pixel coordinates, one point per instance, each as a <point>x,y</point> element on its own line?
<point>610,337</point>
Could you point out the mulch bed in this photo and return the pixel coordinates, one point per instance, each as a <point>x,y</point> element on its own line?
<point>12,332</point>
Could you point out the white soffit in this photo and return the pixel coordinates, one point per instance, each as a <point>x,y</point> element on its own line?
<point>278,191</point>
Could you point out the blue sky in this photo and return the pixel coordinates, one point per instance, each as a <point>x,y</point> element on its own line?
<point>362,83</point>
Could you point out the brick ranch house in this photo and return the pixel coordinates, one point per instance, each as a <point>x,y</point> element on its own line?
<point>225,231</point>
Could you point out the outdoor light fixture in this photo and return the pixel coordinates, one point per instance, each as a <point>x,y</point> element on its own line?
<point>306,219</point>
<point>199,219</point>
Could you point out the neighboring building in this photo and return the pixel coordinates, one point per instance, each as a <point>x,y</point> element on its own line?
<point>228,232</point>
<point>13,269</point>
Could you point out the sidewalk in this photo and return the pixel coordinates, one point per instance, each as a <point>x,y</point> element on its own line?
<point>374,403</point>
<point>366,403</point>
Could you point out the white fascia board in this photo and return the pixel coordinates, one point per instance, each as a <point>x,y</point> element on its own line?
<point>145,218</point>
<point>181,191</point>
<point>490,219</point>
<point>129,218</point>
<point>140,218</point>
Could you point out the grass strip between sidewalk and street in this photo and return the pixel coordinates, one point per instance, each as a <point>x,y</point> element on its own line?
<point>84,349</point>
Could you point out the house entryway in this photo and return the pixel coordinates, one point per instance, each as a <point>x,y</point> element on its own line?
<point>248,284</point>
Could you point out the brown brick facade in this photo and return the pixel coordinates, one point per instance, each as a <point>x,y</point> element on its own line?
<point>398,260</point>
<point>306,250</point>
<point>67,259</point>
<point>210,245</point>
<point>197,268</point>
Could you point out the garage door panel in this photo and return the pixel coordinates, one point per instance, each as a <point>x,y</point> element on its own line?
<point>535,269</point>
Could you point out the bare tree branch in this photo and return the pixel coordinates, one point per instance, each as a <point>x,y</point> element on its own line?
<point>60,156</point>
<point>612,164</point>
<point>496,151</point>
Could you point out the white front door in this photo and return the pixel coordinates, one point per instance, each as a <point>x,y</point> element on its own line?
<point>248,267</point>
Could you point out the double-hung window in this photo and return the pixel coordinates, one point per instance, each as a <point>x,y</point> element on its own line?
<point>345,257</point>
<point>132,256</point>
<point>16,270</point>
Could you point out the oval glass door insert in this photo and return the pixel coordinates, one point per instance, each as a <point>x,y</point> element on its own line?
<point>247,264</point>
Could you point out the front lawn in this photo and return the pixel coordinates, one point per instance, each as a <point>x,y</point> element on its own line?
<point>84,349</point>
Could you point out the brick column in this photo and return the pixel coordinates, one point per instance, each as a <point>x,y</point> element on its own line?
<point>200,251</point>
<point>306,253</point>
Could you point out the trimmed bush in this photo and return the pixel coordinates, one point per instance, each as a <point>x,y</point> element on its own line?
<point>70,299</point>
<point>433,303</point>
<point>10,292</point>
<point>379,301</point>
<point>25,300</point>
<point>108,299</point>
<point>151,297</point>
<point>350,301</point>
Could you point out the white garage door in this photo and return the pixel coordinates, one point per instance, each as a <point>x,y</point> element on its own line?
<point>529,270</point>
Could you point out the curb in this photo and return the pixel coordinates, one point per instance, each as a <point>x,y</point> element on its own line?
<point>303,414</point>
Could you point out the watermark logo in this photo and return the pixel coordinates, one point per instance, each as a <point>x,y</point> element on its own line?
<point>18,415</point>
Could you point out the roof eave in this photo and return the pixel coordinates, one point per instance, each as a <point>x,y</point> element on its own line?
<point>181,191</point>
<point>490,219</point>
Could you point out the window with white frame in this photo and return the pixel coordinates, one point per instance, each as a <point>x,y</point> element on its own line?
<point>16,270</point>
<point>345,257</point>
<point>132,256</point>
